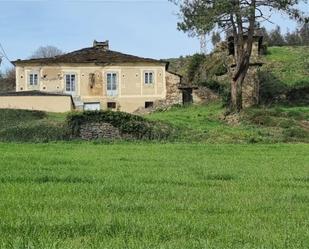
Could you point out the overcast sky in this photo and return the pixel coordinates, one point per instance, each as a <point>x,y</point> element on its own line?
<point>141,27</point>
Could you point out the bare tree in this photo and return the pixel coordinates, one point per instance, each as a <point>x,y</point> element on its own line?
<point>46,52</point>
<point>7,80</point>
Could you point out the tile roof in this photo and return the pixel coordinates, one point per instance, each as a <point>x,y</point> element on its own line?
<point>96,55</point>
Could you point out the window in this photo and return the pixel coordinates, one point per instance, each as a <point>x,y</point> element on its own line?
<point>70,82</point>
<point>148,104</point>
<point>33,79</point>
<point>111,105</point>
<point>112,84</point>
<point>95,106</point>
<point>148,78</point>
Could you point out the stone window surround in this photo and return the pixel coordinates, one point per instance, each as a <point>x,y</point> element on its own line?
<point>33,73</point>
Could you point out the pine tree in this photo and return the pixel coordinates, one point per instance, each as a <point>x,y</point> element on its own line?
<point>276,38</point>
<point>304,34</point>
<point>293,39</point>
<point>204,16</point>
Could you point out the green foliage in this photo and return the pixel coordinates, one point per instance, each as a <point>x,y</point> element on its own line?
<point>194,66</point>
<point>291,121</point>
<point>289,64</point>
<point>293,39</point>
<point>184,124</point>
<point>31,126</point>
<point>10,118</point>
<point>221,88</point>
<point>298,37</point>
<point>216,68</point>
<point>276,38</point>
<point>271,88</point>
<point>37,132</point>
<point>146,195</point>
<point>284,77</point>
<point>134,125</point>
<point>304,34</point>
<point>298,95</point>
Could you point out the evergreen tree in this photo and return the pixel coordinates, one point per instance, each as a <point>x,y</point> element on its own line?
<point>293,39</point>
<point>304,34</point>
<point>276,38</point>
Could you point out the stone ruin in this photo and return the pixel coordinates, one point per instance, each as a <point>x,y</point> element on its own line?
<point>179,92</point>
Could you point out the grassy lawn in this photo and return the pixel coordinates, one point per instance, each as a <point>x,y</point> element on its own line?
<point>83,195</point>
<point>289,64</point>
<point>34,126</point>
<point>204,123</point>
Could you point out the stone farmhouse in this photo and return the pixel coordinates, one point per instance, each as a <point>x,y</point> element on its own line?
<point>93,78</point>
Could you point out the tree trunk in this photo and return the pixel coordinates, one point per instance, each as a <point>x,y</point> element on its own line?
<point>243,50</point>
<point>236,92</point>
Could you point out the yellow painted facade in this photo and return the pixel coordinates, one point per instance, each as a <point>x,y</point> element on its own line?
<point>91,83</point>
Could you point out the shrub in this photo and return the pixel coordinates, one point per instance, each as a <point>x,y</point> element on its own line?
<point>264,117</point>
<point>295,132</point>
<point>38,132</point>
<point>223,89</point>
<point>134,125</point>
<point>218,69</point>
<point>194,65</point>
<point>272,89</point>
<point>298,94</point>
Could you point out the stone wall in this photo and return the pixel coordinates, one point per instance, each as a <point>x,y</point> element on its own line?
<point>251,88</point>
<point>173,96</point>
<point>173,93</point>
<point>92,131</point>
<point>204,95</point>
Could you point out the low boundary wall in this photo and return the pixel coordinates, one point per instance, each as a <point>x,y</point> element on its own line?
<point>39,103</point>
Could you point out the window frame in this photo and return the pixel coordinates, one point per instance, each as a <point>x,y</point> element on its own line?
<point>112,88</point>
<point>147,80</point>
<point>72,89</point>
<point>149,104</point>
<point>113,105</point>
<point>32,81</point>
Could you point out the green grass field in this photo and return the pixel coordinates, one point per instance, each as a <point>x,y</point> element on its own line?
<point>203,123</point>
<point>290,65</point>
<point>92,195</point>
<point>195,123</point>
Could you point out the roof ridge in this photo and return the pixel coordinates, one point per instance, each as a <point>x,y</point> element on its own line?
<point>92,55</point>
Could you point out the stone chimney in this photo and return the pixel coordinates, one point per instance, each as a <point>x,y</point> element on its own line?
<point>104,44</point>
